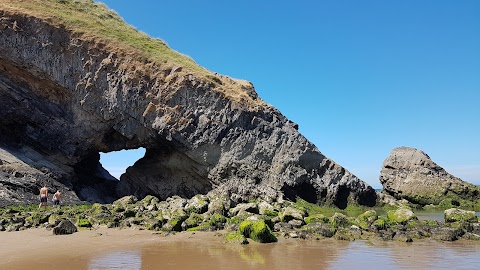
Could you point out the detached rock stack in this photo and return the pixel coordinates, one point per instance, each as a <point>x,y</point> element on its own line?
<point>68,92</point>
<point>410,174</point>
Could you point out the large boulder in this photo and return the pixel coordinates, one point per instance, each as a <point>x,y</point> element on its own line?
<point>69,91</point>
<point>409,173</point>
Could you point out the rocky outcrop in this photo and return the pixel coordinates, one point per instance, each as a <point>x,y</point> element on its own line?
<point>65,97</point>
<point>410,174</point>
<point>286,220</point>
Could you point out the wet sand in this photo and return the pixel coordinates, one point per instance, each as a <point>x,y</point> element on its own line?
<point>133,249</point>
<point>40,248</point>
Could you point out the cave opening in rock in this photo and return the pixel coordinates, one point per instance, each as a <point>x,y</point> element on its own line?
<point>117,162</point>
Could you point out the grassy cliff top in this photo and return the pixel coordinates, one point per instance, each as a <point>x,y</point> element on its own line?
<point>96,22</point>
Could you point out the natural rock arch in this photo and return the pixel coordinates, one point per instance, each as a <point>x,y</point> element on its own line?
<point>65,97</point>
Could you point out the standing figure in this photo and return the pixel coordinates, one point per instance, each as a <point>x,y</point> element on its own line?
<point>56,198</point>
<point>43,197</point>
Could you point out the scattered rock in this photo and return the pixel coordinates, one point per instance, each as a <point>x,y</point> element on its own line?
<point>296,223</point>
<point>290,213</point>
<point>219,205</point>
<point>125,201</point>
<point>64,227</point>
<point>197,204</point>
<point>340,220</point>
<point>244,207</point>
<point>366,219</point>
<point>447,234</point>
<point>282,227</point>
<point>459,215</point>
<point>192,221</point>
<point>471,236</point>
<point>150,201</point>
<point>176,202</point>
<point>13,227</point>
<point>401,215</point>
<point>265,208</point>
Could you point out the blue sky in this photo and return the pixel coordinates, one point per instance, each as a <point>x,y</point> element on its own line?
<point>359,77</point>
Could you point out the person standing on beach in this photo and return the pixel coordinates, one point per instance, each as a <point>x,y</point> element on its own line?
<point>43,197</point>
<point>56,198</point>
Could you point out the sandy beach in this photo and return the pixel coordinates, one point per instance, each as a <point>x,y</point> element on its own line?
<point>39,247</point>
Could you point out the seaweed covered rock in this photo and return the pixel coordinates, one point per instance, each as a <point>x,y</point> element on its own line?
<point>366,219</point>
<point>401,215</point>
<point>459,215</point>
<point>340,220</point>
<point>197,204</point>
<point>257,231</point>
<point>236,237</point>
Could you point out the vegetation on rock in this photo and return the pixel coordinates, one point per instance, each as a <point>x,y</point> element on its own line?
<point>399,224</point>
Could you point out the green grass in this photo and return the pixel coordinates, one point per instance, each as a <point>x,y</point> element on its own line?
<point>351,210</point>
<point>103,29</point>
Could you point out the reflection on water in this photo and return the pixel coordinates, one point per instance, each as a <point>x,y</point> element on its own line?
<point>208,252</point>
<point>289,254</point>
<point>131,260</point>
<point>421,255</point>
<point>433,215</point>
<point>218,255</point>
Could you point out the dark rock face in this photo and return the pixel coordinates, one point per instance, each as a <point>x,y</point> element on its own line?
<point>65,98</point>
<point>410,174</point>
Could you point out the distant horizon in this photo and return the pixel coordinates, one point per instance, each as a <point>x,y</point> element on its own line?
<point>359,78</point>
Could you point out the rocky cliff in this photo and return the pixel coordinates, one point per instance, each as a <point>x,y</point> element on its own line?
<point>73,85</point>
<point>409,173</point>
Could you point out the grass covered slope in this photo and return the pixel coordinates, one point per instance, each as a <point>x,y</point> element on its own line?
<point>96,23</point>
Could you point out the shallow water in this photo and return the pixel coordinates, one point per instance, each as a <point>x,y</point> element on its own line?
<point>432,215</point>
<point>323,254</point>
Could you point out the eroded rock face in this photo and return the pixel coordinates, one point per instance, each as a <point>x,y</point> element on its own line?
<point>409,173</point>
<point>64,98</point>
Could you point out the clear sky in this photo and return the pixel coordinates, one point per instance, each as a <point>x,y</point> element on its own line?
<point>359,77</point>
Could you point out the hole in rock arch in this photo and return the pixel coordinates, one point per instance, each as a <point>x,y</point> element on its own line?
<point>118,161</point>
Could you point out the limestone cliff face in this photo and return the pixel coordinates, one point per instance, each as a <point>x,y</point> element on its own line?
<point>65,97</point>
<point>409,173</point>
